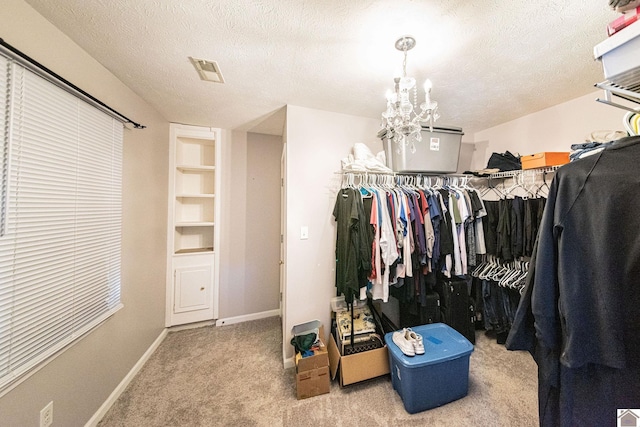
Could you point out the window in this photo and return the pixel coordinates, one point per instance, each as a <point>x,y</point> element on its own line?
<point>61,219</point>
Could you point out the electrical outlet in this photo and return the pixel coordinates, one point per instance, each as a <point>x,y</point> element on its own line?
<point>46,415</point>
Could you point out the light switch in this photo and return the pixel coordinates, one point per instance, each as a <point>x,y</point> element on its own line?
<point>304,232</point>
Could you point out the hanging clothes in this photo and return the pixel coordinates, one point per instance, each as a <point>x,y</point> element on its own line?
<point>510,224</point>
<point>386,248</point>
<point>580,314</point>
<point>353,243</point>
<point>413,232</point>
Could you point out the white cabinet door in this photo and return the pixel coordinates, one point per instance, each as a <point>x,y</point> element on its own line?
<point>193,288</point>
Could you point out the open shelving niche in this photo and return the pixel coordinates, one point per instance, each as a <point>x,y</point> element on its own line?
<point>194,219</point>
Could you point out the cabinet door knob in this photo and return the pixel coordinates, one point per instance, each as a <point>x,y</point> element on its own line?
<point>202,289</point>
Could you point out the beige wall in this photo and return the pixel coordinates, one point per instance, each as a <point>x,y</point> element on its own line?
<point>316,142</point>
<point>250,237</point>
<point>552,129</point>
<point>80,379</point>
<point>262,266</point>
<point>233,232</point>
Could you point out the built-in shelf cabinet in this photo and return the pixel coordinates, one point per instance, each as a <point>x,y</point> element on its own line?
<point>194,183</point>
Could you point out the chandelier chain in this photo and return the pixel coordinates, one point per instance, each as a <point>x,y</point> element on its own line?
<point>404,63</point>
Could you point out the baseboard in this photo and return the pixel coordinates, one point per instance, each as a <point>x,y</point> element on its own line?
<point>247,317</point>
<point>289,363</point>
<point>191,326</point>
<point>95,419</point>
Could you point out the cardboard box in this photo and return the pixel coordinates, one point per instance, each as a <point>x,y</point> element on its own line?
<point>541,160</point>
<point>313,382</point>
<point>312,372</point>
<point>357,367</point>
<point>318,360</point>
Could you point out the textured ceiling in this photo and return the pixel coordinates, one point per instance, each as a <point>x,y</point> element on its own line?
<point>490,61</point>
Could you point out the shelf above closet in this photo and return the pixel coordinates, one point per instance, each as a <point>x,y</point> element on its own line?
<point>621,66</point>
<point>611,89</point>
<point>520,172</point>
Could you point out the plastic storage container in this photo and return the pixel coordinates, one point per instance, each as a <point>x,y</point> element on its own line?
<point>620,60</point>
<point>339,304</point>
<point>439,376</point>
<point>438,152</point>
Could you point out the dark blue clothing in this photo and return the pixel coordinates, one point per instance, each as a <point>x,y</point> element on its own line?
<point>436,215</point>
<point>580,314</point>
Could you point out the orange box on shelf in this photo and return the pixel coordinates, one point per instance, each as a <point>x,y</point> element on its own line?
<point>547,158</point>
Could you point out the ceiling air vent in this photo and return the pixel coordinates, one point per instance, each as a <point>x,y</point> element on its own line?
<point>208,70</point>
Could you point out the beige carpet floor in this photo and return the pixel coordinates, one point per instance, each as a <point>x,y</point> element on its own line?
<point>233,376</point>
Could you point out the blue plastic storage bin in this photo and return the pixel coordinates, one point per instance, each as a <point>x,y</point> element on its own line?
<point>439,376</point>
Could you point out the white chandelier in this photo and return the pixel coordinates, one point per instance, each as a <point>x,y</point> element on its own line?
<point>402,121</point>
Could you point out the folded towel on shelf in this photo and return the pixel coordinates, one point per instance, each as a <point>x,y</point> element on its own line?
<point>363,160</point>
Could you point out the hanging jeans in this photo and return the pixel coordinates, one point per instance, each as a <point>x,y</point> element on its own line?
<point>495,314</point>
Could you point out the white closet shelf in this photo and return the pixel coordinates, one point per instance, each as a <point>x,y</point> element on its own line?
<point>192,168</point>
<point>195,224</point>
<point>192,251</point>
<point>621,66</point>
<point>195,196</point>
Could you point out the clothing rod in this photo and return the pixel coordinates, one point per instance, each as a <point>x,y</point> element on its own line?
<point>62,83</point>
<point>366,173</point>
<point>427,174</point>
<point>614,104</point>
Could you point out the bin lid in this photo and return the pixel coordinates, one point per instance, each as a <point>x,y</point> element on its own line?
<point>441,344</point>
<point>312,326</point>
<point>443,129</point>
<point>617,40</point>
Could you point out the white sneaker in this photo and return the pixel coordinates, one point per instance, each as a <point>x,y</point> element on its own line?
<point>418,344</point>
<point>405,345</point>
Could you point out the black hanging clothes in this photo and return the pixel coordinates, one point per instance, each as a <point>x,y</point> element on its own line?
<point>580,313</point>
<point>517,227</point>
<point>353,243</point>
<point>490,226</point>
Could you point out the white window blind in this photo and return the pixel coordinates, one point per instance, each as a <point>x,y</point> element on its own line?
<point>60,250</point>
<point>4,139</point>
